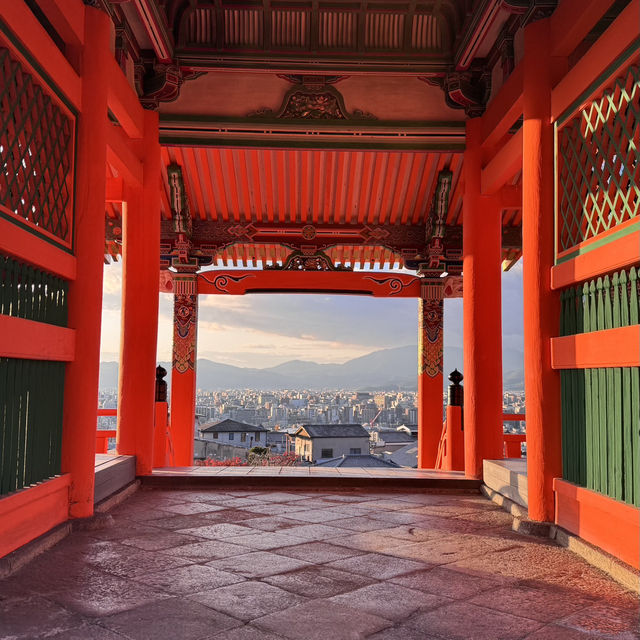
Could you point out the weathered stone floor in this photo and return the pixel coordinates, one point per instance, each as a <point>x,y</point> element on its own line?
<point>241,565</point>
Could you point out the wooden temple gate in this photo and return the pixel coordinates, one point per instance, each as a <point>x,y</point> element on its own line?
<point>516,133</point>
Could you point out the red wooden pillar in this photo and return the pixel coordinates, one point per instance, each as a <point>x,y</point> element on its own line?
<point>541,304</point>
<point>139,335</point>
<point>183,375</point>
<point>482,319</point>
<point>430,404</point>
<point>85,292</point>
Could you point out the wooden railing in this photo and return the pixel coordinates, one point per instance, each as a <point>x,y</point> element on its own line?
<point>513,441</point>
<point>103,435</point>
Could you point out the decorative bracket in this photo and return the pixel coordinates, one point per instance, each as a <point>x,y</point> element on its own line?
<point>468,90</point>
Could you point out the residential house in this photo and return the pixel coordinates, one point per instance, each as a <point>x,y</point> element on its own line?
<point>324,441</point>
<point>238,434</point>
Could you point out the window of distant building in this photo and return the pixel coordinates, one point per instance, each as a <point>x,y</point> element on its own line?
<point>231,436</point>
<point>355,452</point>
<point>326,453</point>
<point>215,435</point>
<point>243,437</point>
<point>257,436</point>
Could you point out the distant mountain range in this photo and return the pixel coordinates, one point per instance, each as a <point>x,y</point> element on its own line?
<point>386,369</point>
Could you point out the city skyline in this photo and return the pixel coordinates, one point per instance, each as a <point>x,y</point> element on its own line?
<point>266,330</point>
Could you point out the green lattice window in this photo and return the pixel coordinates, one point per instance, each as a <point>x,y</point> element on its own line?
<point>35,151</point>
<point>598,171</point>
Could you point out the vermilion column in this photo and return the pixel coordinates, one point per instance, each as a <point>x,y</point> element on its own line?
<point>541,304</point>
<point>183,375</point>
<point>430,330</point>
<point>139,333</point>
<point>482,247</point>
<point>85,292</point>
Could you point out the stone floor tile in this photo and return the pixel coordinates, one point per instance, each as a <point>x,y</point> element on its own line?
<point>316,516</point>
<point>321,619</point>
<point>240,502</point>
<point>258,564</point>
<point>397,517</point>
<point>464,621</point>
<point>482,518</point>
<point>247,632</point>
<point>85,632</point>
<point>402,632</point>
<point>207,495</point>
<point>123,561</point>
<point>444,581</point>
<point>555,632</point>
<point>311,532</point>
<point>390,601</point>
<point>531,558</point>
<point>411,533</point>
<point>124,529</point>
<point>538,604</point>
<point>275,508</point>
<point>318,581</point>
<point>449,549</point>
<point>607,621</point>
<point>248,600</point>
<point>588,582</point>
<point>26,618</point>
<point>193,507</point>
<point>269,523</point>
<point>169,620</point>
<point>189,579</point>
<point>362,524</point>
<point>140,514</point>
<point>207,550</point>
<point>172,522</point>
<point>283,496</point>
<point>348,497</point>
<point>318,552</point>
<point>385,503</point>
<point>369,541</point>
<point>264,540</point>
<point>105,594</point>
<point>376,565</point>
<point>316,502</point>
<point>159,540</point>
<point>216,531</point>
<point>54,573</point>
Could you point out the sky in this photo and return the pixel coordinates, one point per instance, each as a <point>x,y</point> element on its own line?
<point>266,330</point>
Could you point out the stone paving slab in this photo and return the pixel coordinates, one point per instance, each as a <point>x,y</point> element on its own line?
<point>234,564</point>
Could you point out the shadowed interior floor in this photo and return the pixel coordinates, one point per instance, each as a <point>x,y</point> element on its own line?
<point>243,565</point>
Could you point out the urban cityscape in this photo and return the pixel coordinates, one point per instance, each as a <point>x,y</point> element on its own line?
<point>389,419</point>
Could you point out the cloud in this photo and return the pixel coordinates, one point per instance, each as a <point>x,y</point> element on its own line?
<point>262,330</point>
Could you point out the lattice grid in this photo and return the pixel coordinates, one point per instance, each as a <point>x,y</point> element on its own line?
<point>35,151</point>
<point>598,169</point>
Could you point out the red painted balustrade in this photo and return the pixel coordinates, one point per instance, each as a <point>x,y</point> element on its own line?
<point>103,435</point>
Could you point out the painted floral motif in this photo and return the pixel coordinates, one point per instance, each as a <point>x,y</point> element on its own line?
<point>185,327</point>
<point>430,337</point>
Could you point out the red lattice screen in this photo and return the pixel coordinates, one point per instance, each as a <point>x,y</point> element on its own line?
<point>598,166</point>
<point>36,152</point>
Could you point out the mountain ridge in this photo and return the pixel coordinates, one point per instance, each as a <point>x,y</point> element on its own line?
<point>391,368</point>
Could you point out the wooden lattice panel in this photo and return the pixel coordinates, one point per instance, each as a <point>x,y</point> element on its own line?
<point>36,152</point>
<point>598,170</point>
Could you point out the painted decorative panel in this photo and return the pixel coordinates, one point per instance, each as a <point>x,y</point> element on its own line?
<point>36,153</point>
<point>598,165</point>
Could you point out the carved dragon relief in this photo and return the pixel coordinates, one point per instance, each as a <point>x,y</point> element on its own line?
<point>312,98</point>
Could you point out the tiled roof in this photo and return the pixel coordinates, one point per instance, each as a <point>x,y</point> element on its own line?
<point>356,461</point>
<point>230,425</point>
<point>334,430</point>
<point>406,456</point>
<point>393,437</point>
